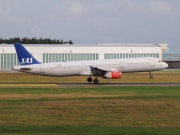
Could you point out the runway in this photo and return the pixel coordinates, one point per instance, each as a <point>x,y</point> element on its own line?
<point>70,85</point>
<point>116,84</point>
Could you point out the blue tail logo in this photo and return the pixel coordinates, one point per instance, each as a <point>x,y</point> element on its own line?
<point>25,58</point>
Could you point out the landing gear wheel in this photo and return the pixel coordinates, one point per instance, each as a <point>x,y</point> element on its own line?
<point>151,77</point>
<point>96,81</point>
<point>89,79</point>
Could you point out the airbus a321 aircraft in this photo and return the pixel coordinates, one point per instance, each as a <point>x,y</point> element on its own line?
<point>108,69</point>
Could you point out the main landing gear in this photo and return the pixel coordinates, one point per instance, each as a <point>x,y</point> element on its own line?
<point>151,77</point>
<point>96,81</point>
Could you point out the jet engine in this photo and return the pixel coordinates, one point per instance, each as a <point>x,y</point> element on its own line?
<point>112,75</point>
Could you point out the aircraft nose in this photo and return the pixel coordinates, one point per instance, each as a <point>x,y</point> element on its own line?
<point>165,64</point>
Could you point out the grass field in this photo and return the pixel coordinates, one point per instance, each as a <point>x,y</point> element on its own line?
<point>87,111</point>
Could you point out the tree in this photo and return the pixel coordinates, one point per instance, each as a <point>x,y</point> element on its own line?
<point>34,40</point>
<point>70,42</point>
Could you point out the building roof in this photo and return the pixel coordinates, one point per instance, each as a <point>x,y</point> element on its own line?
<point>86,45</point>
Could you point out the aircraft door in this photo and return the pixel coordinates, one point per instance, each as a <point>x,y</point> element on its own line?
<point>83,66</point>
<point>122,65</point>
<point>41,68</point>
<point>152,63</point>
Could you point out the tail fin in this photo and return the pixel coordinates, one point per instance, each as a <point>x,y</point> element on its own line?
<point>25,58</point>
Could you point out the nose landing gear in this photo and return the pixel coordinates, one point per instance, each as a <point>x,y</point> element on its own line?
<point>151,77</point>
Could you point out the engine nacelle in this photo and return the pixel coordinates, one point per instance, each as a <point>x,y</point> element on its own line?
<point>113,75</point>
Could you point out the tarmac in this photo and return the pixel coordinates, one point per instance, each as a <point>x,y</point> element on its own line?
<point>117,84</point>
<point>68,85</point>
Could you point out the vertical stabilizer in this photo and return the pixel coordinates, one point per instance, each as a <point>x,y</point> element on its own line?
<point>25,58</point>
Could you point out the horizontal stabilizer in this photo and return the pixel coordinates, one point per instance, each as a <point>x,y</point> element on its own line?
<point>25,68</point>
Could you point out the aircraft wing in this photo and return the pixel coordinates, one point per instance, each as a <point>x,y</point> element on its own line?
<point>98,71</point>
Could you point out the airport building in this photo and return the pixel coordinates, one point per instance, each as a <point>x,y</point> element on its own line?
<point>61,53</point>
<point>172,59</point>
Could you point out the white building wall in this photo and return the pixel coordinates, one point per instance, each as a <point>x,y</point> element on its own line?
<point>38,49</point>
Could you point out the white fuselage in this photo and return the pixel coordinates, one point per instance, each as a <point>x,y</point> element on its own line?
<point>78,68</point>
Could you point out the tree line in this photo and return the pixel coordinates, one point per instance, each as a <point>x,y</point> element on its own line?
<point>34,40</point>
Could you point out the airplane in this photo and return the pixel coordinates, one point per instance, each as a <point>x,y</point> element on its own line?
<point>107,69</point>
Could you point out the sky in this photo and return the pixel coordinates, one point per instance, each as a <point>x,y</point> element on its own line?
<point>93,21</point>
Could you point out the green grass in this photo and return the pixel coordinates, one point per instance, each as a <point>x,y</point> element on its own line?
<point>87,130</point>
<point>136,89</point>
<point>112,110</point>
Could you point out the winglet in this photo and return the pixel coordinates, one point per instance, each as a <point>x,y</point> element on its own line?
<point>91,67</point>
<point>25,58</point>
